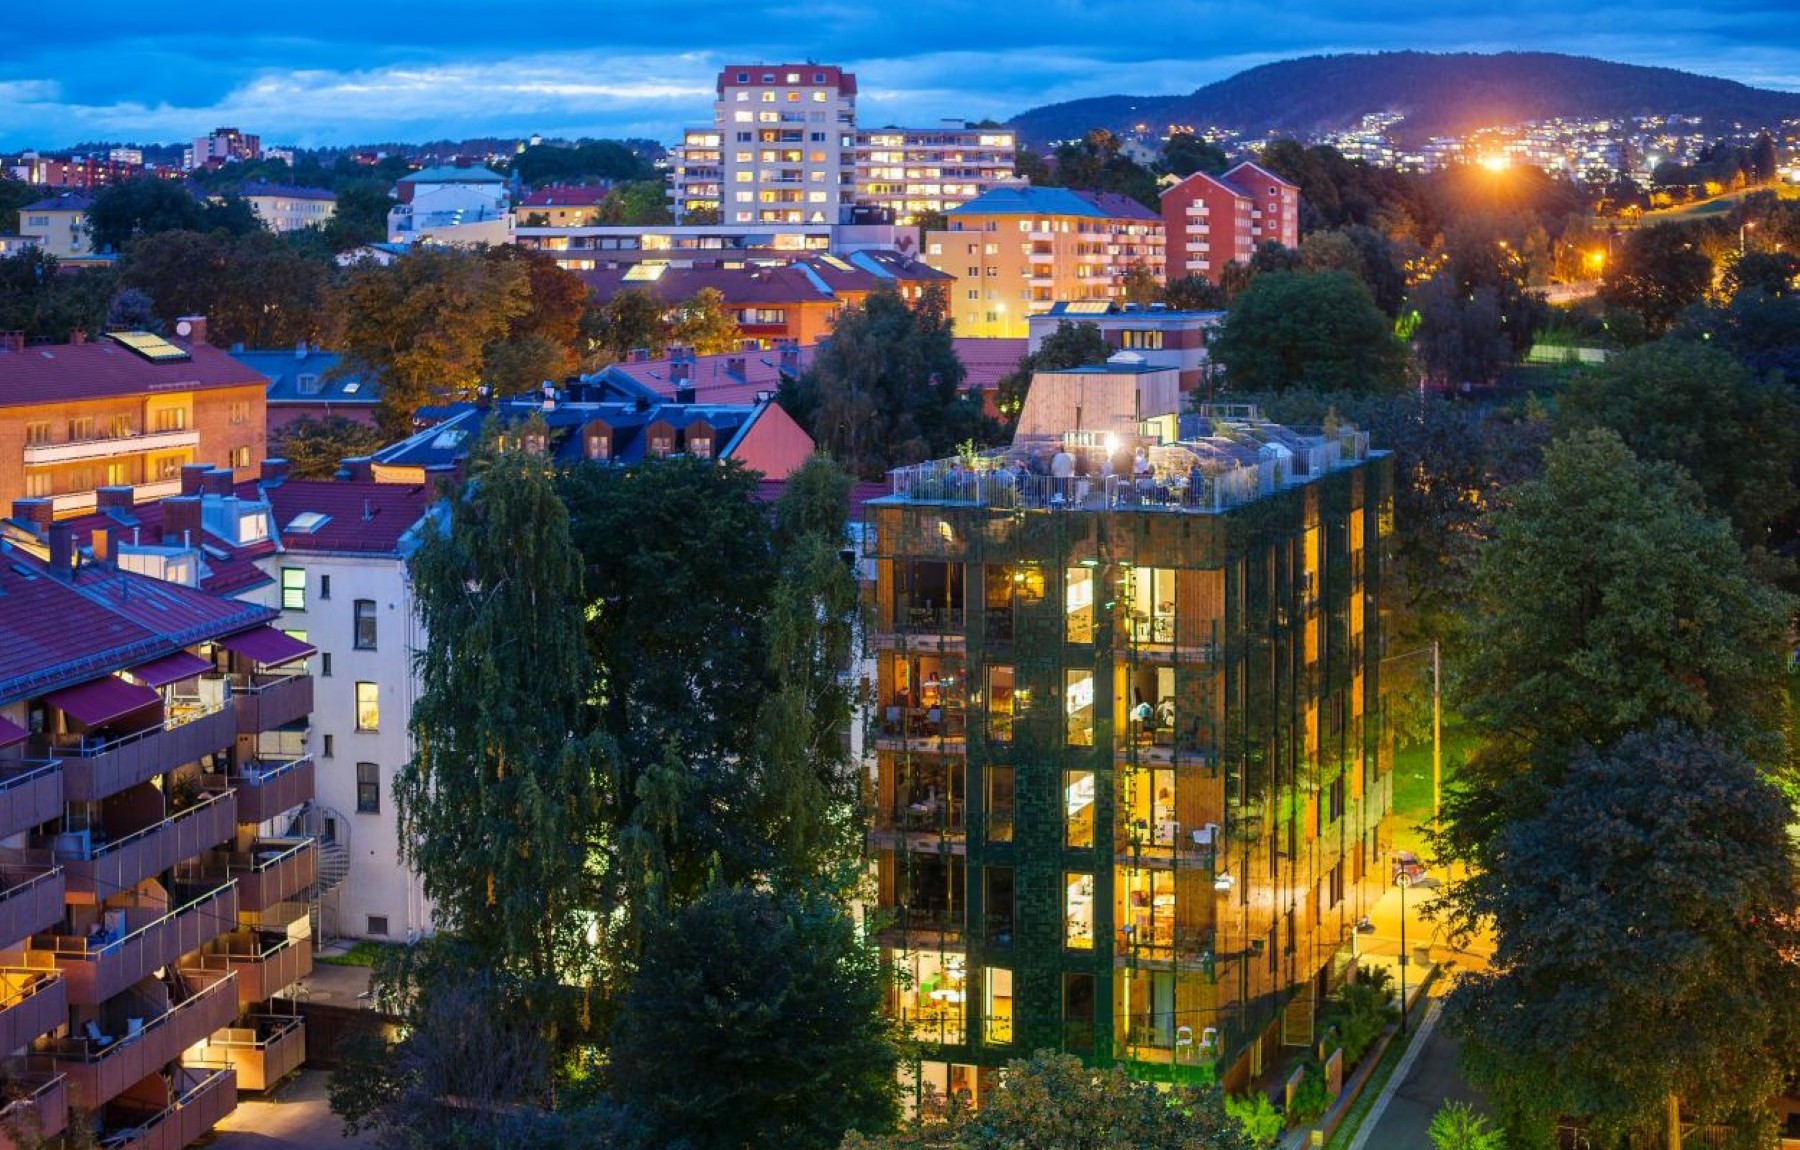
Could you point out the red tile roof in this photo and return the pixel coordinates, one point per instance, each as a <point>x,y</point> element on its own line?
<point>56,634</point>
<point>100,369</point>
<point>988,360</point>
<point>361,517</point>
<point>232,575</point>
<point>565,198</point>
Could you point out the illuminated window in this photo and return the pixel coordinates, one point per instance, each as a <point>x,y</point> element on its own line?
<point>36,433</point>
<point>1078,911</point>
<point>1078,707</point>
<point>999,804</point>
<point>368,706</point>
<point>997,1006</point>
<point>293,588</point>
<point>1078,807</point>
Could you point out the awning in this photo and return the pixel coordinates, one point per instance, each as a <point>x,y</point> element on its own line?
<point>267,646</point>
<point>102,700</point>
<point>171,669</point>
<point>11,733</point>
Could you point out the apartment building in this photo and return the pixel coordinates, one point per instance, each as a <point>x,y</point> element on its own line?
<point>222,146</point>
<point>779,146</point>
<point>283,208</point>
<point>1212,221</point>
<point>912,170</point>
<point>561,207</point>
<point>1017,250</point>
<point>59,225</point>
<point>155,905</point>
<point>450,205</point>
<point>1130,767</point>
<point>1156,335</point>
<point>129,409</point>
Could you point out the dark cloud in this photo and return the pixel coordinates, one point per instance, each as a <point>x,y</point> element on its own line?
<point>384,69</point>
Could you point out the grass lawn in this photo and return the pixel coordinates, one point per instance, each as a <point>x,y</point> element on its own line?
<point>1412,781</point>
<point>360,954</point>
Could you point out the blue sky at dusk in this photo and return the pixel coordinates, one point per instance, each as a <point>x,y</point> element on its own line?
<point>336,72</point>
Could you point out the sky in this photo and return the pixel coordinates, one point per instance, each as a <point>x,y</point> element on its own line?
<point>332,72</point>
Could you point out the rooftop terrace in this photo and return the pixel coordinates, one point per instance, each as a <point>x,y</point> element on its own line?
<point>1223,457</point>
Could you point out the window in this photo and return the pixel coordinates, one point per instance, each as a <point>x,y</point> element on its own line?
<point>378,924</point>
<point>293,588</point>
<point>120,426</point>
<point>365,624</point>
<point>330,745</point>
<point>1078,708</point>
<point>368,789</point>
<point>700,447</point>
<point>118,473</point>
<point>81,428</point>
<point>240,458</point>
<point>240,411</point>
<point>999,804</point>
<point>36,433</point>
<point>325,664</point>
<point>368,706</point>
<point>37,485</point>
<point>1078,911</point>
<point>998,903</point>
<point>172,419</point>
<point>324,586</point>
<point>1078,792</point>
<point>996,1005</point>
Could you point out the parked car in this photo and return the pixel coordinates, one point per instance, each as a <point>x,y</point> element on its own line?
<point>1408,868</point>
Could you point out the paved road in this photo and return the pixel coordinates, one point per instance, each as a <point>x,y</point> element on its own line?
<point>297,1117</point>
<point>1430,1080</point>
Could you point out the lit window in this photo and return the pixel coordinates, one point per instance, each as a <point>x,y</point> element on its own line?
<point>368,789</point>
<point>1078,911</point>
<point>996,1005</point>
<point>293,588</point>
<point>368,706</point>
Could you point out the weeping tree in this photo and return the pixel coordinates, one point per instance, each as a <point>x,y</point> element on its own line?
<point>499,806</point>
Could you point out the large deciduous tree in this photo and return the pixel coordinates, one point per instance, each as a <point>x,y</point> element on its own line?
<point>1644,921</point>
<point>422,324</point>
<point>754,1022</point>
<point>314,447</point>
<point>887,389</point>
<point>1660,271</point>
<point>705,324</point>
<point>1608,600</point>
<point>1318,329</point>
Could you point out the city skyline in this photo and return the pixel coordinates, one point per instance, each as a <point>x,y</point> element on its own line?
<point>386,71</point>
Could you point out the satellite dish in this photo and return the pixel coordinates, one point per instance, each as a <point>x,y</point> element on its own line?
<point>184,328</point>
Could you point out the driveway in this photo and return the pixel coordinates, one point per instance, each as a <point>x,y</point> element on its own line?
<point>295,1117</point>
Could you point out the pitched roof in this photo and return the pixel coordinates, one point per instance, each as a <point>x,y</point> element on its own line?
<point>360,516</point>
<point>735,377</point>
<point>101,368</point>
<point>450,175</point>
<point>1115,206</point>
<point>56,633</point>
<point>987,361</point>
<point>286,191</point>
<point>286,369</point>
<point>226,567</point>
<point>64,202</point>
<point>588,197</point>
<point>747,284</point>
<point>1260,171</point>
<point>1027,200</point>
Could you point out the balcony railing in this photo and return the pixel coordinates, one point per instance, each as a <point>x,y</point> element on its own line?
<point>109,446</point>
<point>32,1003</point>
<point>104,869</point>
<point>266,702</point>
<point>31,896</point>
<point>38,1097</point>
<point>31,794</point>
<point>207,1094</point>
<point>100,1069</point>
<point>921,729</point>
<point>267,787</point>
<point>265,961</point>
<point>270,871</point>
<point>946,1024</point>
<point>263,1048</point>
<point>94,768</point>
<point>101,966</point>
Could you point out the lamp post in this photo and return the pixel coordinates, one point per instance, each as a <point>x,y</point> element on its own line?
<point>1404,883</point>
<point>1743,229</point>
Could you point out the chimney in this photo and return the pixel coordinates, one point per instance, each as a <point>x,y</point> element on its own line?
<point>196,328</point>
<point>100,540</point>
<point>181,519</point>
<point>62,551</point>
<point>37,512</point>
<point>681,366</point>
<point>216,482</point>
<point>193,477</point>
<point>12,341</point>
<point>77,337</point>
<point>638,354</point>
<point>121,498</point>
<point>684,393</point>
<point>274,471</point>
<point>735,366</point>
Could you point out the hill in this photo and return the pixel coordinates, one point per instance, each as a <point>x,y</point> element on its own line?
<point>1439,94</point>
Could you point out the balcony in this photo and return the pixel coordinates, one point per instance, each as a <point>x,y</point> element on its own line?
<point>262,1048</point>
<point>267,701</point>
<point>148,937</point>
<point>31,794</point>
<point>207,1094</point>
<point>93,768</point>
<point>271,871</point>
<point>38,1098</point>
<point>267,787</point>
<point>109,447</point>
<point>32,1003</point>
<point>31,898</point>
<point>131,1048</point>
<point>926,730</point>
<point>265,961</point>
<point>101,869</point>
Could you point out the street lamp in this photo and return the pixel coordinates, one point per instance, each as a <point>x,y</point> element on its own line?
<point>1743,228</point>
<point>1404,883</point>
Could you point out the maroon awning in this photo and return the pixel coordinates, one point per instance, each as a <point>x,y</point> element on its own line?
<point>102,700</point>
<point>11,733</point>
<point>267,646</point>
<point>171,669</point>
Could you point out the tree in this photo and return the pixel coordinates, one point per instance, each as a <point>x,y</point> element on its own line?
<point>1693,405</point>
<point>1184,153</point>
<point>632,319</point>
<point>1772,273</point>
<point>1318,328</point>
<point>1644,919</point>
<point>1607,600</point>
<point>422,323</point>
<point>1456,1126</point>
<point>39,300</point>
<point>254,289</point>
<point>1660,271</point>
<point>499,806</point>
<point>1070,345</point>
<point>638,202</point>
<point>705,324</point>
<point>1193,293</point>
<point>540,341</point>
<point>1140,285</point>
<point>754,1022</point>
<point>360,216</point>
<point>143,205</point>
<point>887,389</point>
<point>314,447</point>
<point>1461,335</point>
<point>1055,1100</point>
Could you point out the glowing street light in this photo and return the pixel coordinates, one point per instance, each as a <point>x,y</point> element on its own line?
<point>1746,226</point>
